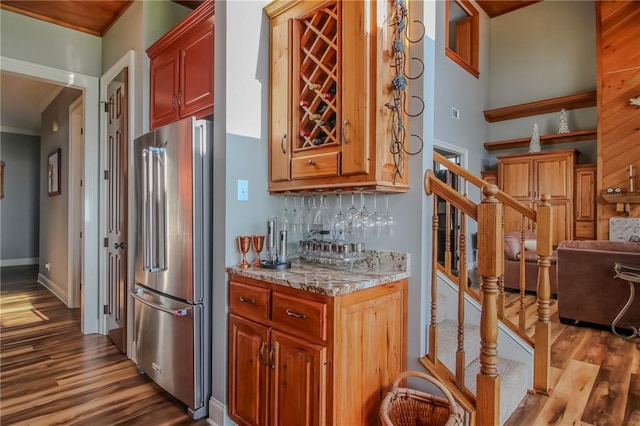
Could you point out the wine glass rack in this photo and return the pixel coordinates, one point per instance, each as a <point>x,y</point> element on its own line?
<point>318,86</point>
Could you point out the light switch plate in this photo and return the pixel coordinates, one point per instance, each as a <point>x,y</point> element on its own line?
<point>243,190</point>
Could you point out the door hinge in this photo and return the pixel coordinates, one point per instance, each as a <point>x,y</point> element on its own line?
<point>80,182</point>
<point>106,105</point>
<point>81,131</point>
<point>105,309</point>
<point>106,242</point>
<point>80,234</point>
<point>106,175</point>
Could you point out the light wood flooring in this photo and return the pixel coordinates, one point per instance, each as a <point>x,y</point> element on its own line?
<point>595,376</point>
<point>50,373</point>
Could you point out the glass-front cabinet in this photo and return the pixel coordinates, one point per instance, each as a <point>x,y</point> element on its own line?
<point>330,89</point>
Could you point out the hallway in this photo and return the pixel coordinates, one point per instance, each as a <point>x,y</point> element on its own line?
<point>51,373</point>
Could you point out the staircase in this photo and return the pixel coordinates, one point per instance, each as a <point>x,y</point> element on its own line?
<point>465,328</point>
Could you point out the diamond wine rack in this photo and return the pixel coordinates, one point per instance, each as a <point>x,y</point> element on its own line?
<point>318,86</point>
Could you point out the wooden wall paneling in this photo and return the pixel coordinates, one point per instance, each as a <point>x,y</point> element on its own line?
<point>618,48</point>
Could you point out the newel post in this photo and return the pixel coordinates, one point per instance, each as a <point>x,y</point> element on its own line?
<point>490,266</point>
<point>544,248</point>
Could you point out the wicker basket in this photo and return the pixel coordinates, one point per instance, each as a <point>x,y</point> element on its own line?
<point>410,407</point>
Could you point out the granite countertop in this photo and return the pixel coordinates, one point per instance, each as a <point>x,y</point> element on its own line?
<point>332,280</point>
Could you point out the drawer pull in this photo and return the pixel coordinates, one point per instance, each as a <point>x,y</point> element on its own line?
<point>295,314</point>
<point>311,163</point>
<point>251,301</point>
<point>262,359</point>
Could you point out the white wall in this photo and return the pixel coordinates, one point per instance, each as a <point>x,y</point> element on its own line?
<point>543,51</point>
<point>54,210</point>
<point>19,208</point>
<point>40,42</point>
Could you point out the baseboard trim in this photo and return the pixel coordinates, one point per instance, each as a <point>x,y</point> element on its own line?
<point>218,414</point>
<point>20,262</point>
<point>53,288</point>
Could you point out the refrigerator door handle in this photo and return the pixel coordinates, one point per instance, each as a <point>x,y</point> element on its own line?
<point>146,249</point>
<point>176,312</point>
<point>161,213</point>
<point>150,212</point>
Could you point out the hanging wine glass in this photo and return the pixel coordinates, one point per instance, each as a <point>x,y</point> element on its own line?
<point>374,220</point>
<point>321,219</point>
<point>339,224</point>
<point>301,219</point>
<point>387,218</point>
<point>360,223</point>
<point>286,219</point>
<point>351,213</point>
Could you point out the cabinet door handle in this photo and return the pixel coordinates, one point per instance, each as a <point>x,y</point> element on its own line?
<point>173,102</point>
<point>273,366</point>
<point>179,97</point>
<point>262,360</point>
<point>344,131</point>
<point>284,151</point>
<point>311,163</point>
<point>295,314</point>
<point>245,300</point>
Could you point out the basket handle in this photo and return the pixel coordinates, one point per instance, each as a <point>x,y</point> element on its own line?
<point>438,384</point>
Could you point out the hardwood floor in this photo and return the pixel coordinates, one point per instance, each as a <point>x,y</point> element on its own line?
<point>50,373</point>
<point>595,376</point>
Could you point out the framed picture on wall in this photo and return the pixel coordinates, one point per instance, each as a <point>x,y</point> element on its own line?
<point>53,173</point>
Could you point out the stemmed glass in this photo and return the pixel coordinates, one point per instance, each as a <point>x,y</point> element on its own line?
<point>387,218</point>
<point>321,216</point>
<point>258,243</point>
<point>360,222</point>
<point>374,221</point>
<point>300,221</point>
<point>244,242</point>
<point>287,220</point>
<point>351,213</point>
<point>338,223</point>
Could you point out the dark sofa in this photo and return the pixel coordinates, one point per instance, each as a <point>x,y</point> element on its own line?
<point>512,264</point>
<point>587,289</point>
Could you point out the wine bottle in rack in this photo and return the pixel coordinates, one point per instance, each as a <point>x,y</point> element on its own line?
<point>331,93</point>
<point>330,123</point>
<point>304,103</point>
<point>314,86</point>
<point>314,117</point>
<point>305,133</point>
<point>320,139</point>
<point>322,108</point>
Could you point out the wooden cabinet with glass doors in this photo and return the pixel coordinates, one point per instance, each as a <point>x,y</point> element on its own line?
<point>331,74</point>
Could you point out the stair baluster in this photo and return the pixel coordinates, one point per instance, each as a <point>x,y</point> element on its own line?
<point>433,327</point>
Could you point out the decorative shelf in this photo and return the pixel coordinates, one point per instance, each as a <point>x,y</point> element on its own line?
<point>633,198</point>
<point>581,135</point>
<point>579,100</point>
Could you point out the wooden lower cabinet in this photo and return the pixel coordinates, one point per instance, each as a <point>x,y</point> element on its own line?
<point>307,359</point>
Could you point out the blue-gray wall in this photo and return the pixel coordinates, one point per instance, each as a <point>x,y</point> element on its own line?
<point>19,209</point>
<point>40,42</point>
<point>54,210</point>
<point>538,52</point>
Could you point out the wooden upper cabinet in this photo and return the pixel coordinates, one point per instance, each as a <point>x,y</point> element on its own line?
<point>330,81</point>
<point>181,70</point>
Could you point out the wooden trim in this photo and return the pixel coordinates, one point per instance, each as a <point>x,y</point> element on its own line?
<point>472,67</point>
<point>580,135</point>
<point>579,100</point>
<point>475,180</point>
<point>434,185</point>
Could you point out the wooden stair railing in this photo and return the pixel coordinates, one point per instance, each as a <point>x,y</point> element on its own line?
<point>489,217</point>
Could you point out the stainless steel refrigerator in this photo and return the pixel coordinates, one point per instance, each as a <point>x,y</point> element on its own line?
<point>173,256</point>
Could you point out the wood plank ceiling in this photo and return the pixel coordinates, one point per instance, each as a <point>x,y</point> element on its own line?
<point>94,17</point>
<point>495,8</point>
